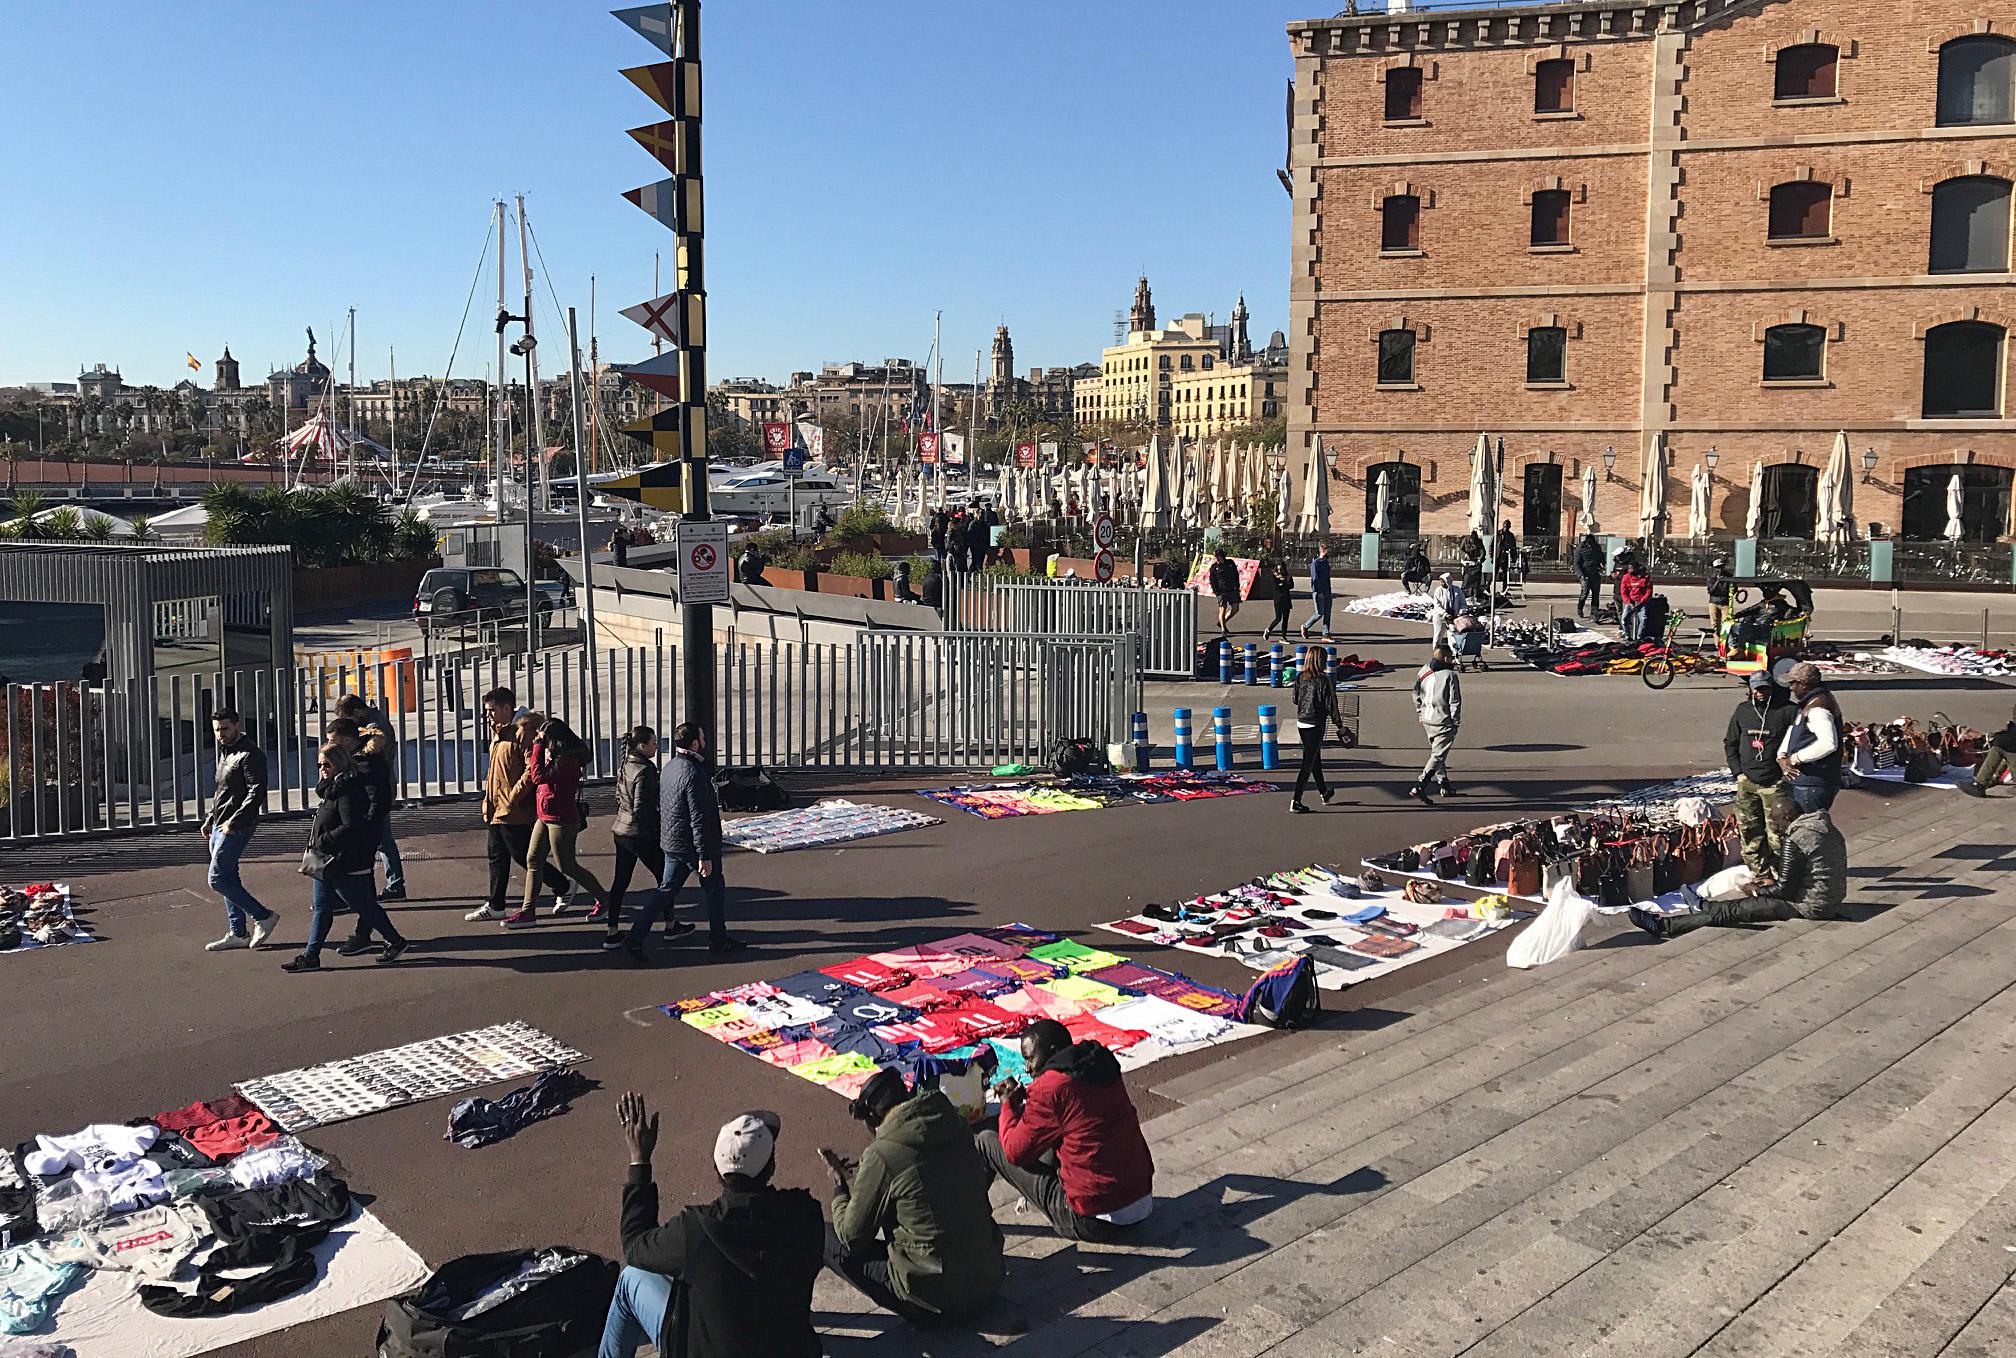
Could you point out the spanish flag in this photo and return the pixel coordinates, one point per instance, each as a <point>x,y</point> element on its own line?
<point>194,366</point>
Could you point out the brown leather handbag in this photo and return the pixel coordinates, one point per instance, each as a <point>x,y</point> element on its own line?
<point>1522,866</point>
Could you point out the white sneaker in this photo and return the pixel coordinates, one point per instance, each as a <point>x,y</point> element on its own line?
<point>227,943</point>
<point>483,912</point>
<point>263,929</point>
<point>563,903</point>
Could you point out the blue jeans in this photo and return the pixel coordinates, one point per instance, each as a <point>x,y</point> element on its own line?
<point>354,889</point>
<point>388,854</point>
<point>713,891</point>
<point>636,1313</point>
<point>1812,794</point>
<point>1322,604</point>
<point>1629,621</point>
<point>225,850</point>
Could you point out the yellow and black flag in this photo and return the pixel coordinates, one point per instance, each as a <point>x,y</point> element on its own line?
<point>660,486</point>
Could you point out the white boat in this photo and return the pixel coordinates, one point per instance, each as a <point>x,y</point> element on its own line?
<point>769,490</point>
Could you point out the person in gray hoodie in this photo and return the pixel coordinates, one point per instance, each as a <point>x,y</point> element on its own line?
<point>1438,702</point>
<point>235,808</point>
<point>1811,881</point>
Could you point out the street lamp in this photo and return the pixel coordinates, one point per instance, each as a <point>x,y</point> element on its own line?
<point>1868,465</point>
<point>1711,457</point>
<point>1609,463</point>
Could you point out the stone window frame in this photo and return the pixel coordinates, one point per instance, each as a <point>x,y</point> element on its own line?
<point>1839,189</point>
<point>1968,169</point>
<point>1935,43</point>
<point>1547,320</point>
<point>1423,334</point>
<point>1406,61</point>
<point>1582,55</point>
<point>1833,333</point>
<point>1845,49</point>
<point>2006,320</point>
<point>1553,183</point>
<point>1424,200</point>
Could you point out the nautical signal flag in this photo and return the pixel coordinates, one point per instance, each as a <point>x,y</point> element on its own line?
<point>660,432</point>
<point>660,486</point>
<point>664,317</point>
<point>658,81</point>
<point>665,142</point>
<point>656,24</point>
<point>194,366</point>
<point>659,374</point>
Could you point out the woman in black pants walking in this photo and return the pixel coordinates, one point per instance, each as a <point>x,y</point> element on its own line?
<point>636,827</point>
<point>1315,704</point>
<point>1283,581</point>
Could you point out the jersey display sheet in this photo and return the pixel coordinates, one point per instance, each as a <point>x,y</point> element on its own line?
<point>868,974</point>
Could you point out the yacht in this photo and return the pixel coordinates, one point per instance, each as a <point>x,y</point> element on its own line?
<point>769,490</point>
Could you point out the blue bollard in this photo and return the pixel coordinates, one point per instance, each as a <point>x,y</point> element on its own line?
<point>1270,739</point>
<point>1183,757</point>
<point>1221,734</point>
<point>1140,742</point>
<point>1224,662</point>
<point>1252,665</point>
<point>1274,667</point>
<point>1301,657</point>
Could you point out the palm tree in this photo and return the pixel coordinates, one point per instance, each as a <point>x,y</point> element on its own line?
<point>143,529</point>
<point>64,524</point>
<point>94,527</point>
<point>24,506</point>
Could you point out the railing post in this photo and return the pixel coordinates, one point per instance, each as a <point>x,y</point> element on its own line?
<point>1184,758</point>
<point>1270,750</point>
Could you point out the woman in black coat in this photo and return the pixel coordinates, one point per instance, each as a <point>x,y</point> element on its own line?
<point>341,858</point>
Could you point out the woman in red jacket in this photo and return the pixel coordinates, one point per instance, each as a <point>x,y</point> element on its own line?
<point>1634,591</point>
<point>555,767</point>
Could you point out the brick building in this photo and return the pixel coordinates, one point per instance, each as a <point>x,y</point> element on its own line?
<point>1703,225</point>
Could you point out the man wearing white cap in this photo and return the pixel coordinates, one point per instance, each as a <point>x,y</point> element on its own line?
<point>727,1279</point>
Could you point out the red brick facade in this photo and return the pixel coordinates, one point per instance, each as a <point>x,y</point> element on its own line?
<point>1670,276</point>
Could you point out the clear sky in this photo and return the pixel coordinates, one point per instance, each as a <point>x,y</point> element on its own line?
<point>189,175</point>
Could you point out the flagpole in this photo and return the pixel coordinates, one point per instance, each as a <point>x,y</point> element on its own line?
<point>353,394</point>
<point>500,449</point>
<point>972,423</point>
<point>392,379</point>
<point>587,554</point>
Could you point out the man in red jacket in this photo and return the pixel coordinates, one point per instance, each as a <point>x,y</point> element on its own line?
<point>1071,1143</point>
<point>1634,591</point>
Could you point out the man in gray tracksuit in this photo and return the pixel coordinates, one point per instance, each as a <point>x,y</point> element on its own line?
<point>1812,880</point>
<point>1438,702</point>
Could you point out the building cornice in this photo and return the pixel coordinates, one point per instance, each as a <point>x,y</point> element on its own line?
<point>1347,35</point>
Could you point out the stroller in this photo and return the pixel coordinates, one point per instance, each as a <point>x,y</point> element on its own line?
<point>1468,645</point>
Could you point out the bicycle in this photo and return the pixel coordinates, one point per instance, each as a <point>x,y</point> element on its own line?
<point>1667,659</point>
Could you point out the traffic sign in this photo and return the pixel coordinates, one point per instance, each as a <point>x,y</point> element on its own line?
<point>1102,566</point>
<point>703,562</point>
<point>1102,532</point>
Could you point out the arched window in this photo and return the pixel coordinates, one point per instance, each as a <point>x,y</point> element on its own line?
<point>1403,93</point>
<point>1963,371</point>
<point>1540,518</point>
<point>1791,501</point>
<point>1806,71</point>
<point>1550,217</point>
<point>1400,222</point>
<point>1928,493</point>
<point>1977,80</point>
<point>1970,225</point>
<point>1403,496</point>
<point>1801,210</point>
<point>1396,358</point>
<point>1554,86</point>
<point>1547,354</point>
<point>1794,353</point>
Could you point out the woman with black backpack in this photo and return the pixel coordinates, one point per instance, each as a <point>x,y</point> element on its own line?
<point>341,858</point>
<point>1315,705</point>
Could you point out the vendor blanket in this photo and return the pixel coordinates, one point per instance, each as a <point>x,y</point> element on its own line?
<point>39,916</point>
<point>1399,604</point>
<point>358,1085</point>
<point>1089,792</point>
<point>954,1008</point>
<point>833,821</point>
<point>1349,937</point>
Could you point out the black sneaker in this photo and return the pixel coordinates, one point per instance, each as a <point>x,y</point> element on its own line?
<point>1420,794</point>
<point>1647,921</point>
<point>302,963</point>
<point>1298,808</point>
<point>637,953</point>
<point>356,947</point>
<point>1972,788</point>
<point>392,894</point>
<point>612,940</point>
<point>391,952</point>
<point>1329,795</point>
<point>727,943</point>
<point>678,928</point>
<point>1442,789</point>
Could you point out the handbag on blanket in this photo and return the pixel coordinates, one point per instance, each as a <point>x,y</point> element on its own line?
<point>1638,873</point>
<point>1478,869</point>
<point>1422,893</point>
<point>1664,853</point>
<point>1522,865</point>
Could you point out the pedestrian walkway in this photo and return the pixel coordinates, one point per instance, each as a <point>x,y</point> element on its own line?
<point>1796,1140</point>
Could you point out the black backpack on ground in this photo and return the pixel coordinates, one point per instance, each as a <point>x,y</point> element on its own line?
<point>1074,757</point>
<point>557,1315</point>
<point>749,788</point>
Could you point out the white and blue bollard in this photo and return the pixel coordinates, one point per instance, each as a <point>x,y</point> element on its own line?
<point>1221,735</point>
<point>1183,756</point>
<point>1140,742</point>
<point>1301,657</point>
<point>1252,664</point>
<point>1224,662</point>
<point>1274,667</point>
<point>1270,738</point>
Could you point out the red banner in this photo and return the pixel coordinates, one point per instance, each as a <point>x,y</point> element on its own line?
<point>776,438</point>
<point>927,446</point>
<point>1025,454</point>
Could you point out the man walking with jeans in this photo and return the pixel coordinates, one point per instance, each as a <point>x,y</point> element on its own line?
<point>690,832</point>
<point>235,806</point>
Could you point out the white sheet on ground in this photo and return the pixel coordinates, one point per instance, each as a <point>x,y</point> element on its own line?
<point>360,1263</point>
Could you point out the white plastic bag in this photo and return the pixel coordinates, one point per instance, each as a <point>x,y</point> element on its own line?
<point>1558,930</point>
<point>1726,885</point>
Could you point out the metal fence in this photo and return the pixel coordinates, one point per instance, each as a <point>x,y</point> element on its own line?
<point>1164,620</point>
<point>82,759</point>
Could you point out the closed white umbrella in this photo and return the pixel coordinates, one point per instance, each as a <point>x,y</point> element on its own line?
<point>1956,527</point>
<point>1379,520</point>
<point>1836,522</point>
<point>923,514</point>
<point>1004,485</point>
<point>1315,517</point>
<point>1155,507</point>
<point>1284,498</point>
<point>1753,522</point>
<point>1589,498</point>
<point>1697,503</point>
<point>1482,499</point>
<point>1652,502</point>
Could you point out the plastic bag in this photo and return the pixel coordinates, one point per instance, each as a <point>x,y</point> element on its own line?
<point>1726,885</point>
<point>1558,930</point>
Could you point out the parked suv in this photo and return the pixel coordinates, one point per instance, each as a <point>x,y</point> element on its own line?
<point>449,595</point>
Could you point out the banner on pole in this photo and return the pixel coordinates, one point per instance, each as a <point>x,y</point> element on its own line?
<point>1025,454</point>
<point>954,446</point>
<point>927,442</point>
<point>1052,456</point>
<point>776,438</point>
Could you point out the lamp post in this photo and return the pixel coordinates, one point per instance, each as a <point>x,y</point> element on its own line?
<point>1868,465</point>
<point>1711,458</point>
<point>1609,464</point>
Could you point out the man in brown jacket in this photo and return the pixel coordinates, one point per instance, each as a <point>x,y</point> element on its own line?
<point>507,801</point>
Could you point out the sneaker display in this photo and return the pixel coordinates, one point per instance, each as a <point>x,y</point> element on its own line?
<point>520,919</point>
<point>483,912</point>
<point>263,930</point>
<point>228,942</point>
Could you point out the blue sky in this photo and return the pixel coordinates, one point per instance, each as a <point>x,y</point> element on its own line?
<point>228,172</point>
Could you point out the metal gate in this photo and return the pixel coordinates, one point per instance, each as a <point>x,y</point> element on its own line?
<point>1165,620</point>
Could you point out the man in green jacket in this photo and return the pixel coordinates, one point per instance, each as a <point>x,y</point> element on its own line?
<point>912,1227</point>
